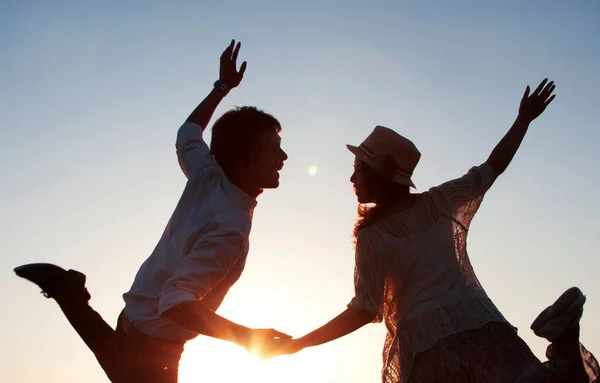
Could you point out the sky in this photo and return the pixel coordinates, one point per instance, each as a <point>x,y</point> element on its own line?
<point>92,95</point>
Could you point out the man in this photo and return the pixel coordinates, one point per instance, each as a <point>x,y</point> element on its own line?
<point>200,255</point>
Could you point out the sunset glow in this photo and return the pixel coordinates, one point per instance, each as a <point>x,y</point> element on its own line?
<point>93,94</point>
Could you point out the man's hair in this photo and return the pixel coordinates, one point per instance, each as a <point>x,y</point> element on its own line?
<point>234,133</point>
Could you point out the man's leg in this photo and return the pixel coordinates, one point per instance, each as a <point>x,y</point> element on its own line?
<point>86,321</point>
<point>68,290</point>
<point>140,358</point>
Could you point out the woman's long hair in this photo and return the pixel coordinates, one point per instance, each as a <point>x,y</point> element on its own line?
<point>386,194</point>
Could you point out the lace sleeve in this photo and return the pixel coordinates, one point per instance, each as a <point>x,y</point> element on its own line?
<point>369,275</point>
<point>462,196</point>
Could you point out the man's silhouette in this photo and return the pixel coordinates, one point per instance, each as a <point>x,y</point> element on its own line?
<point>200,255</point>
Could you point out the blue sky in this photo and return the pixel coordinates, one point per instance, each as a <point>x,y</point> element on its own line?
<point>92,95</point>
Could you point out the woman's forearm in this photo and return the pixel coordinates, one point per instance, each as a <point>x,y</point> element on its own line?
<point>347,322</point>
<point>506,149</point>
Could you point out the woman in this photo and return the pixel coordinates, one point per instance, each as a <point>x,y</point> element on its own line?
<point>413,271</point>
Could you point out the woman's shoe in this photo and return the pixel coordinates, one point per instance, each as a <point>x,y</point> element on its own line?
<point>563,314</point>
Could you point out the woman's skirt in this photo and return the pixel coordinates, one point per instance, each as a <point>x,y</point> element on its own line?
<point>491,354</point>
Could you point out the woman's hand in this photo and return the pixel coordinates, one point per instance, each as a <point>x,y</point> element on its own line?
<point>533,105</point>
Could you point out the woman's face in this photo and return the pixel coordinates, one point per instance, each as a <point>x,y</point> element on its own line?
<point>361,189</point>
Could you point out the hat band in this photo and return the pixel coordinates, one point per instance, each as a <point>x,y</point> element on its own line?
<point>371,154</point>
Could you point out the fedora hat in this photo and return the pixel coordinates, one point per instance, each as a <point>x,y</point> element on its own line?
<point>390,154</point>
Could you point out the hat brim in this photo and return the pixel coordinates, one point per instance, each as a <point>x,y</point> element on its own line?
<point>398,178</point>
<point>355,150</point>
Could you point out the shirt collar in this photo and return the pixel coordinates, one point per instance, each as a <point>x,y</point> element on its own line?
<point>246,200</point>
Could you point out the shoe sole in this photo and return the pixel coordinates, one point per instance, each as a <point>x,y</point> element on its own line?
<point>34,272</point>
<point>558,316</point>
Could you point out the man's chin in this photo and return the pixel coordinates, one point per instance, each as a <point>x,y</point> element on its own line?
<point>271,185</point>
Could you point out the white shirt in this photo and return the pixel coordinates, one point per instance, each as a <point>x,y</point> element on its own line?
<point>203,249</point>
<point>413,271</point>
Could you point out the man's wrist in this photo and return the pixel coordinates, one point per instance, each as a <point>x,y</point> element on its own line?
<point>221,86</point>
<point>524,119</point>
<point>242,335</point>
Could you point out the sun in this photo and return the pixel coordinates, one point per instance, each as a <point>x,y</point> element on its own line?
<point>207,359</point>
<point>212,360</point>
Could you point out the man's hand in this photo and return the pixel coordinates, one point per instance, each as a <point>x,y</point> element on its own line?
<point>264,339</point>
<point>533,105</point>
<point>228,71</point>
<point>229,76</point>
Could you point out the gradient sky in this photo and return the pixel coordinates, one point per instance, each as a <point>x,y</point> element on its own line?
<point>91,97</point>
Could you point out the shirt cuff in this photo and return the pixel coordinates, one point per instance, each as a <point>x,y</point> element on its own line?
<point>363,303</point>
<point>173,298</point>
<point>189,132</point>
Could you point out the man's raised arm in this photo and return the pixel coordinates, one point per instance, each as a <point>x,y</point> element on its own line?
<point>229,78</point>
<point>192,152</point>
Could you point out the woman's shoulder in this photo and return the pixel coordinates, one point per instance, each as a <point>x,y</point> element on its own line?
<point>404,223</point>
<point>374,236</point>
<point>392,226</point>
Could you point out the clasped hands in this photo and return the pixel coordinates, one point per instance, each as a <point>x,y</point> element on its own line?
<point>269,343</point>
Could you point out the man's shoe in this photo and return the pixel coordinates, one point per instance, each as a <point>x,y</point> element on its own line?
<point>55,281</point>
<point>564,314</point>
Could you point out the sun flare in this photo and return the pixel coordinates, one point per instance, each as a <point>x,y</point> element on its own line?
<point>209,360</point>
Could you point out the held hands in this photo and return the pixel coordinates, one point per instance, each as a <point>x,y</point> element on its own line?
<point>283,347</point>
<point>228,72</point>
<point>269,343</point>
<point>533,105</point>
<point>264,339</point>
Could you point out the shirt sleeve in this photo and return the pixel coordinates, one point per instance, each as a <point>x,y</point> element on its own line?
<point>203,268</point>
<point>369,275</point>
<point>462,197</point>
<point>192,152</point>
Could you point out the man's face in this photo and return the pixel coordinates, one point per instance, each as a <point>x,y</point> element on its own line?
<point>360,185</point>
<point>266,160</point>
